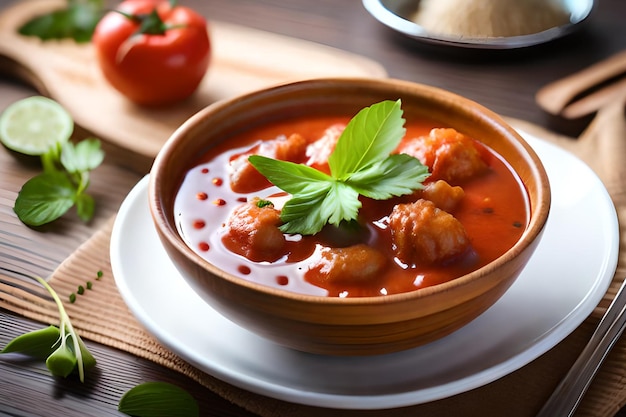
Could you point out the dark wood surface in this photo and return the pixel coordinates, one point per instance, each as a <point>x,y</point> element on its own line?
<point>504,81</point>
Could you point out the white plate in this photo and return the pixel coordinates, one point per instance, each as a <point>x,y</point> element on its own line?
<point>563,282</point>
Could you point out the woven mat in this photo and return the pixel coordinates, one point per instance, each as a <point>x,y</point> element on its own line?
<point>100,314</point>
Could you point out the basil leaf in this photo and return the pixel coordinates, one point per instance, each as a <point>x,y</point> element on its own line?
<point>86,155</point>
<point>44,198</point>
<point>290,177</point>
<point>38,343</point>
<point>46,27</point>
<point>158,399</point>
<point>308,213</point>
<point>369,137</point>
<point>303,213</point>
<point>397,175</point>
<point>341,203</point>
<point>84,17</point>
<point>78,21</point>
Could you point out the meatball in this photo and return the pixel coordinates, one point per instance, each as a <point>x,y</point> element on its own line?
<point>445,196</point>
<point>423,234</point>
<point>319,151</point>
<point>244,178</point>
<point>351,264</point>
<point>450,155</point>
<point>252,231</point>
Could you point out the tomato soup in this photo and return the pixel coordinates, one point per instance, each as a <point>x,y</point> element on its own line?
<point>491,207</point>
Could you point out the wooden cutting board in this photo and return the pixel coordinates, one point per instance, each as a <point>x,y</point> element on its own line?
<point>243,60</point>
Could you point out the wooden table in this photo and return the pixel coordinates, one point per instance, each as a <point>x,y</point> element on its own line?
<point>504,81</point>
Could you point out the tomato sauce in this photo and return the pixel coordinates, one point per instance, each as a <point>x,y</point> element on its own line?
<point>494,212</point>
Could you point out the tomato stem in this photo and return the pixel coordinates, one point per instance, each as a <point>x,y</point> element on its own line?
<point>151,23</point>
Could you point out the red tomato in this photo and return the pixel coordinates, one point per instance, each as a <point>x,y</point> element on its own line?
<point>158,66</point>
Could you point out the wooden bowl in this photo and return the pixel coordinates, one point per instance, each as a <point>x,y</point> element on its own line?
<point>331,325</point>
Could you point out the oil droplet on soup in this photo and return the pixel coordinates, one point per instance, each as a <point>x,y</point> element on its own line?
<point>493,211</point>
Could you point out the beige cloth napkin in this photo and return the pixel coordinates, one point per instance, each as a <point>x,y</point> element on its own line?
<point>101,315</point>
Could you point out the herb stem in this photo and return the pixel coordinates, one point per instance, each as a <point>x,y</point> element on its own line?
<point>83,182</point>
<point>66,328</point>
<point>48,160</point>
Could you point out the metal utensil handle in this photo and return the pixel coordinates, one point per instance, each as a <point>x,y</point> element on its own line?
<point>567,396</point>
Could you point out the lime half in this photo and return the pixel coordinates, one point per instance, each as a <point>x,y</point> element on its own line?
<point>33,125</point>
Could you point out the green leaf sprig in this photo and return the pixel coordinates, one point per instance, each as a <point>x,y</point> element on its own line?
<point>76,21</point>
<point>61,347</point>
<point>361,164</point>
<point>61,185</point>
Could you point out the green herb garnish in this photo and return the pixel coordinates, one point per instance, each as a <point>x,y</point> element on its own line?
<point>76,21</point>
<point>264,203</point>
<point>157,399</point>
<point>63,349</point>
<point>61,185</point>
<point>361,164</point>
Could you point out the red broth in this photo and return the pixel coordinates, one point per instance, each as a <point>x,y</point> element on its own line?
<point>494,212</point>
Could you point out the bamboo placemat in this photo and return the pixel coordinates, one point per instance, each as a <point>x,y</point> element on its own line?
<point>100,314</point>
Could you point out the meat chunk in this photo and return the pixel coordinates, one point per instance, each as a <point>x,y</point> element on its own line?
<point>320,150</point>
<point>252,231</point>
<point>244,178</point>
<point>445,196</point>
<point>450,155</point>
<point>351,264</point>
<point>422,234</point>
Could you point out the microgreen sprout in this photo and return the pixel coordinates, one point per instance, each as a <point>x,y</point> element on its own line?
<point>78,353</point>
<point>80,290</point>
<point>62,347</point>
